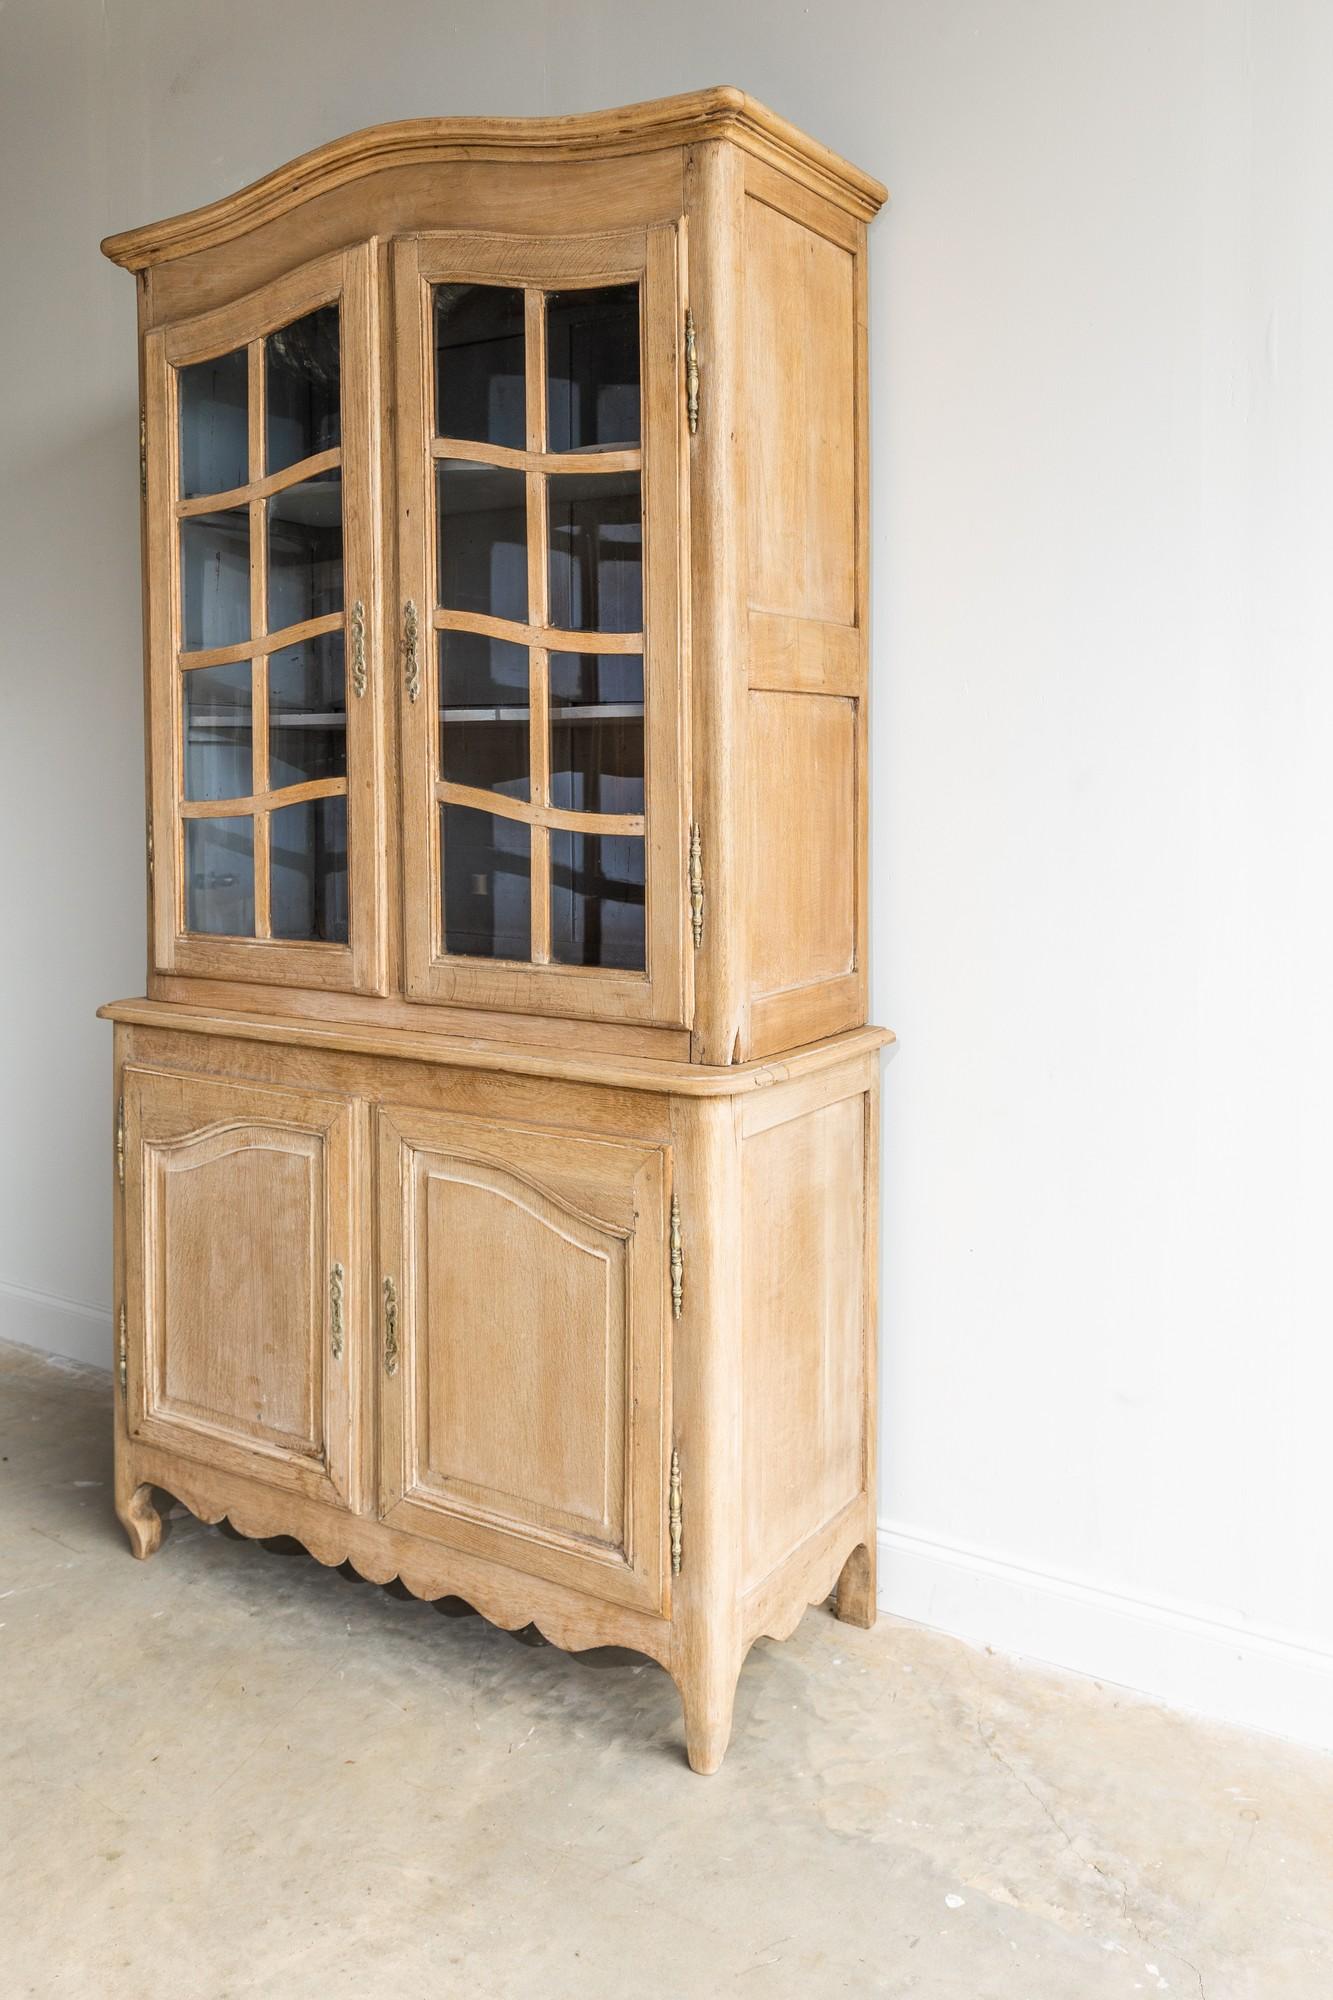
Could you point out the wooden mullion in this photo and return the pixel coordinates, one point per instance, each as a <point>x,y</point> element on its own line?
<point>629,459</point>
<point>263,642</point>
<point>258,630</point>
<point>257,488</point>
<point>539,704</point>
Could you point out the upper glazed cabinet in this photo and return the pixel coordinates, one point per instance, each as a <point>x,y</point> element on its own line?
<point>506,580</point>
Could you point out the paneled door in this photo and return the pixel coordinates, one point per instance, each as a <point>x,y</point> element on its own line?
<point>260,438</point>
<point>523,1348</point>
<point>241,1287</point>
<point>541,468</point>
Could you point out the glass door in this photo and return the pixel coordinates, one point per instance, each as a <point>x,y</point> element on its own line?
<point>541,469</point>
<point>264,745</point>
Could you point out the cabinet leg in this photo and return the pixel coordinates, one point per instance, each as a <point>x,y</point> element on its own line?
<point>708,1697</point>
<point>854,1601</point>
<point>134,1506</point>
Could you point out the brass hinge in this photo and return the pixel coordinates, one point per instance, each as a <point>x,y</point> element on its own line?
<point>677,1261</point>
<point>358,633</point>
<point>120,1140</point>
<point>390,1327</point>
<point>696,885</point>
<point>691,374</point>
<point>150,850</point>
<point>122,1355</point>
<point>143,453</point>
<point>411,651</point>
<point>673,1512</point>
<point>336,1275</point>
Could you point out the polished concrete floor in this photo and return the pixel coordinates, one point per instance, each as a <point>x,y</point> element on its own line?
<point>230,1772</point>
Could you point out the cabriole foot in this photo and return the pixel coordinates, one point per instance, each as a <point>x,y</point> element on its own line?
<point>141,1521</point>
<point>854,1601</point>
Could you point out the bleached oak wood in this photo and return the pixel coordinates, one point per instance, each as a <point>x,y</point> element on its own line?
<point>720,112</point>
<point>615,1232</point>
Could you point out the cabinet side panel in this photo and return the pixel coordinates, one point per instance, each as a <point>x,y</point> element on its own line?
<point>803,880</point>
<point>800,385</point>
<point>804,1365</point>
<point>805,438</point>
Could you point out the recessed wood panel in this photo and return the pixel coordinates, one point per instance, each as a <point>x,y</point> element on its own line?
<point>803,1405</point>
<point>801,430</point>
<point>523,1419</point>
<point>237,1319</point>
<point>237,1209</point>
<point>804,849</point>
<point>521,1351</point>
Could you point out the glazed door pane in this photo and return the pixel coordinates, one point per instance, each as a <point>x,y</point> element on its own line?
<point>262,557</point>
<point>238,1209</point>
<point>539,465</point>
<point>524,1409</point>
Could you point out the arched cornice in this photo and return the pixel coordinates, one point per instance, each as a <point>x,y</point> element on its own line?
<point>722,112</point>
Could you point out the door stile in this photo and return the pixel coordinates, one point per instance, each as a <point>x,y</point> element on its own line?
<point>390,1311</point>
<point>414,470</point>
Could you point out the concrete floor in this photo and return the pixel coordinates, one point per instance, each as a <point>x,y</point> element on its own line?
<point>230,1772</point>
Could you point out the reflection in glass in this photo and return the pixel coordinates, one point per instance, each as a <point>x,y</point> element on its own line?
<point>305,551</point>
<point>215,579</point>
<point>483,537</point>
<point>218,744</point>
<point>220,876</point>
<point>308,845</point>
<point>597,904</point>
<point>484,713</point>
<point>307,712</point>
<point>302,388</point>
<point>592,368</point>
<point>214,424</point>
<point>486,872</point>
<point>597,732</point>
<point>596,552</point>
<point>479,386</point>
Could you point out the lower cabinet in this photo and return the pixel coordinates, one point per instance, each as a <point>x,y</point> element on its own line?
<point>238,1234</point>
<point>516,1331</point>
<point>593,1355</point>
<point>522,1394</point>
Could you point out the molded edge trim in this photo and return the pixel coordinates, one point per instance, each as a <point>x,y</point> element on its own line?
<point>722,112</point>
<point>675,1079</point>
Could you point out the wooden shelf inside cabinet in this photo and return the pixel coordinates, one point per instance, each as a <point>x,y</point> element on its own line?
<point>506,1043</point>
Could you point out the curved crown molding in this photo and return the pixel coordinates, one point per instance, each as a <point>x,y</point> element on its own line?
<point>722,112</point>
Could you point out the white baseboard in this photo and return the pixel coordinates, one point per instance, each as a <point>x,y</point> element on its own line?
<point>55,1326</point>
<point>1173,1653</point>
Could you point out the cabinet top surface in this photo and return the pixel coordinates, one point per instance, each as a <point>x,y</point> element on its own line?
<point>624,1072</point>
<point>722,112</point>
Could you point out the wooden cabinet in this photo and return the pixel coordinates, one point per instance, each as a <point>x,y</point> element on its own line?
<point>496,1134</point>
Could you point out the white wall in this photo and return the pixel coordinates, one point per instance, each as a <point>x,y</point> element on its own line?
<point>1102,365</point>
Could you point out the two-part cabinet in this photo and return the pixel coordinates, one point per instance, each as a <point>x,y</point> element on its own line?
<point>495,1142</point>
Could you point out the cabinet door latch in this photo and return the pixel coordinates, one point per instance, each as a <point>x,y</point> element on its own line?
<point>390,1327</point>
<point>696,885</point>
<point>358,638</point>
<point>673,1512</point>
<point>336,1277</point>
<point>677,1261</point>
<point>691,374</point>
<point>411,651</point>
